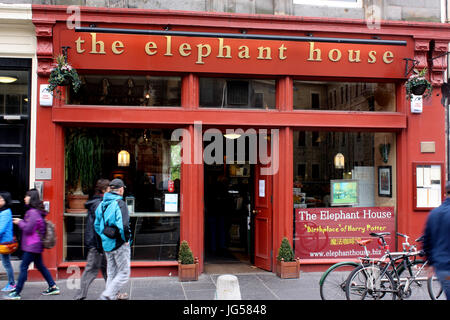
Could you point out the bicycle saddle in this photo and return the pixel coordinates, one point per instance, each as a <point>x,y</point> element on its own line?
<point>363,243</point>
<point>380,234</point>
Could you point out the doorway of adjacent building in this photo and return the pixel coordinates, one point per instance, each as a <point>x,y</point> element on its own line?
<point>237,217</point>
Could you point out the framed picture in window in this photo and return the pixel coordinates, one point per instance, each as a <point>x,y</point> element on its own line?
<point>385,181</point>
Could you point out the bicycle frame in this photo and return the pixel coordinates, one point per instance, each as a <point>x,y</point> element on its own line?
<point>403,260</point>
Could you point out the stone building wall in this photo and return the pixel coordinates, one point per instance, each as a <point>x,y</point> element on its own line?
<point>407,10</point>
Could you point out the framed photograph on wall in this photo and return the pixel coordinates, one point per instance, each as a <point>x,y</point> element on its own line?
<point>385,181</point>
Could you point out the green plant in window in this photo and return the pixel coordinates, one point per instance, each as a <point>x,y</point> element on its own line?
<point>63,74</point>
<point>285,251</point>
<point>185,255</point>
<point>83,158</point>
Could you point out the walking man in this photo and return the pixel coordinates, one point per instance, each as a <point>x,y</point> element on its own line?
<point>96,259</point>
<point>112,224</point>
<point>437,241</point>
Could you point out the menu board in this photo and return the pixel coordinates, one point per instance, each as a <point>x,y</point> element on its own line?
<point>428,186</point>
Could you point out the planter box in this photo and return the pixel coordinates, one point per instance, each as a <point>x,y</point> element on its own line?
<point>188,272</point>
<point>288,270</point>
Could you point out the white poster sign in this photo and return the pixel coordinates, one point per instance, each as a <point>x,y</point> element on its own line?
<point>171,202</point>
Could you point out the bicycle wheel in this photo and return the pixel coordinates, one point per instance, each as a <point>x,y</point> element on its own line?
<point>418,289</point>
<point>435,289</point>
<point>368,282</point>
<point>332,282</point>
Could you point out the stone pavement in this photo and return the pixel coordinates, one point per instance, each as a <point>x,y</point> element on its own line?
<point>253,286</point>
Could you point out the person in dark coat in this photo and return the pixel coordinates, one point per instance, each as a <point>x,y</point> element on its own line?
<point>96,259</point>
<point>436,242</point>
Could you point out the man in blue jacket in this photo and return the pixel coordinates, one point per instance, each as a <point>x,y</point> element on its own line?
<point>437,241</point>
<point>112,224</point>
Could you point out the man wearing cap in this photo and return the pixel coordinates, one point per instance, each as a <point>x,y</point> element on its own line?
<point>436,242</point>
<point>112,224</point>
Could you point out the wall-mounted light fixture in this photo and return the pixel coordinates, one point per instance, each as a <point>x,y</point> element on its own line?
<point>123,158</point>
<point>339,161</point>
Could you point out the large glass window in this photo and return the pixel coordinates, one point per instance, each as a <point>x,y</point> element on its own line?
<point>125,90</point>
<point>344,189</point>
<point>150,165</point>
<point>237,93</point>
<point>348,96</point>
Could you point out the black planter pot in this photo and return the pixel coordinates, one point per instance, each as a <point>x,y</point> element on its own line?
<point>66,82</point>
<point>419,90</point>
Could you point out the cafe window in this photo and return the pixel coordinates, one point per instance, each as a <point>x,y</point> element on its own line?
<point>149,163</point>
<point>237,93</point>
<point>349,192</point>
<point>362,97</point>
<point>128,90</point>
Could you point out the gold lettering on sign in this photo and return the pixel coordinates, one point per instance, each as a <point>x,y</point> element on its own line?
<point>331,55</point>
<point>201,54</point>
<point>351,58</point>
<point>222,48</point>
<point>281,51</point>
<point>244,52</point>
<point>372,57</point>
<point>150,48</point>
<point>313,52</point>
<point>116,46</point>
<point>96,43</point>
<point>79,42</point>
<point>184,49</point>
<point>388,57</point>
<point>168,46</point>
<point>261,51</point>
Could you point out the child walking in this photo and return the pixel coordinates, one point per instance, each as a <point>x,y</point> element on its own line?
<point>6,235</point>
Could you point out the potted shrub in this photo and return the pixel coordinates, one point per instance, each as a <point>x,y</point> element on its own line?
<point>187,265</point>
<point>83,157</point>
<point>418,85</point>
<point>63,74</point>
<point>287,266</point>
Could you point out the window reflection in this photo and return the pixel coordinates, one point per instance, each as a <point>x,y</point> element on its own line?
<point>359,155</point>
<point>237,93</point>
<point>348,96</point>
<point>126,90</point>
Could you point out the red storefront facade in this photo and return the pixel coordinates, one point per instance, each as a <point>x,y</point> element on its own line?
<point>193,57</point>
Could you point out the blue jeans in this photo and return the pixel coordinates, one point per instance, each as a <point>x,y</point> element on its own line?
<point>8,267</point>
<point>444,279</point>
<point>27,258</point>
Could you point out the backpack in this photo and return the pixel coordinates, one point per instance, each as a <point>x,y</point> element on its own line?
<point>49,238</point>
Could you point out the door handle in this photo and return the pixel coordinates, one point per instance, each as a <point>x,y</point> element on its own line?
<point>256,211</point>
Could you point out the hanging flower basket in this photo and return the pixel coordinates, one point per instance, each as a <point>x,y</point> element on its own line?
<point>63,75</point>
<point>418,85</point>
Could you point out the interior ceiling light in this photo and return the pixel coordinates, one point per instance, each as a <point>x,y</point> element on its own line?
<point>5,79</point>
<point>232,135</point>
